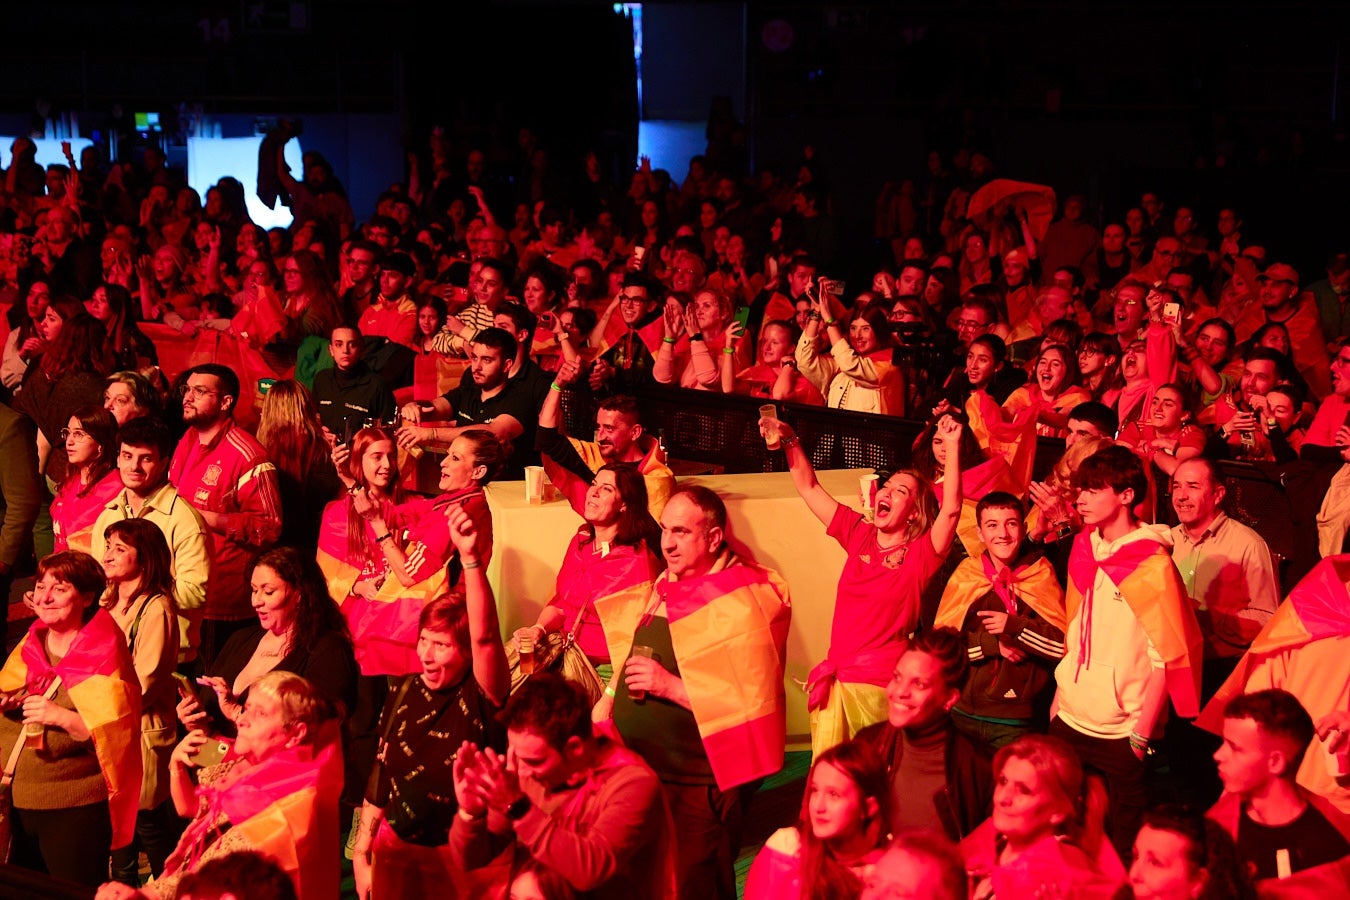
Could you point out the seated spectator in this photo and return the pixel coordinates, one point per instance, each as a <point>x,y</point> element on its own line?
<point>92,480</point>
<point>521,324</point>
<point>984,368</point>
<point>128,347</point>
<point>291,433</point>
<point>918,864</point>
<point>1051,305</point>
<point>349,394</point>
<point>612,837</point>
<point>145,447</point>
<point>165,294</point>
<point>858,373</point>
<point>715,728</point>
<point>1099,367</point>
<point>571,463</point>
<point>488,292</point>
<point>614,550</point>
<point>701,325</point>
<point>488,399</point>
<point>940,779</point>
<point>775,376</point>
<point>1331,294</point>
<point>130,395</point>
<point>840,833</point>
<point>392,315</point>
<point>1207,361</point>
<point>1282,302</point>
<point>1055,499</point>
<point>1052,392</point>
<point>1235,416</point>
<point>1180,853</point>
<point>1280,828</point>
<point>1123,660</point>
<point>297,630</point>
<point>878,601</point>
<point>1045,835</point>
<point>1165,437</point>
<point>259,317</point>
<point>628,350</point>
<point>285,765</point>
<point>1009,607</point>
<point>981,473</point>
<point>69,378</point>
<point>1304,649</point>
<point>24,343</point>
<point>449,704</point>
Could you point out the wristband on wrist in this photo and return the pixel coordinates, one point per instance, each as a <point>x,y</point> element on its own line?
<point>388,535</point>
<point>554,387</point>
<point>831,322</point>
<point>729,351</point>
<point>609,692</point>
<point>469,564</point>
<point>696,336</point>
<point>790,441</point>
<point>667,340</point>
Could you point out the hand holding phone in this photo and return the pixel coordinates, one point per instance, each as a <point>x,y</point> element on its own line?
<point>1171,312</point>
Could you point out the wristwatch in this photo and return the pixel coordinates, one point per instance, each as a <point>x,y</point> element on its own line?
<point>517,810</point>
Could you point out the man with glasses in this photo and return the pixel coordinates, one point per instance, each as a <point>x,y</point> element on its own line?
<point>1281,302</point>
<point>626,362</point>
<point>224,472</point>
<point>145,447</point>
<point>359,269</point>
<point>1167,255</point>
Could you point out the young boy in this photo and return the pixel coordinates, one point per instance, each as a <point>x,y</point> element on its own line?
<point>1279,827</point>
<point>1132,638</point>
<point>1010,608</point>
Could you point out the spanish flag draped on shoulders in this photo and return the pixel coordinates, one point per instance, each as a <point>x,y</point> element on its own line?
<point>98,674</point>
<point>729,629</point>
<point>1011,436</point>
<point>658,477</point>
<point>1033,583</point>
<point>1147,580</point>
<point>1303,649</point>
<point>286,808</point>
<point>383,622</point>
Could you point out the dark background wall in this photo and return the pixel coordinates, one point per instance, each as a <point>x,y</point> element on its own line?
<point>1106,98</point>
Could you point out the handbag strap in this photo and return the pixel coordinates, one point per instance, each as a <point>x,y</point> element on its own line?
<point>20,739</point>
<point>398,699</point>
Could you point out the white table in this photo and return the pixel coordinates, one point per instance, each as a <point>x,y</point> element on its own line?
<point>765,515</point>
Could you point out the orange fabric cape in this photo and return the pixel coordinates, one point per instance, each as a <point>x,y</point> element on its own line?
<point>1317,608</point>
<point>1147,578</point>
<point>98,674</point>
<point>729,629</point>
<point>285,808</point>
<point>1014,440</point>
<point>1327,880</point>
<point>1034,584</point>
<point>991,475</point>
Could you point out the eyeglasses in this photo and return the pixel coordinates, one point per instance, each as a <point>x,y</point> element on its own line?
<point>196,390</point>
<point>966,323</point>
<point>631,300</point>
<point>78,433</point>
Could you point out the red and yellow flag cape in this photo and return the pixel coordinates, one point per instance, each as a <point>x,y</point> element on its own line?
<point>729,629</point>
<point>98,674</point>
<point>1303,650</point>
<point>286,808</point>
<point>1013,438</point>
<point>1034,583</point>
<point>655,474</point>
<point>991,475</point>
<point>1149,582</point>
<point>384,627</point>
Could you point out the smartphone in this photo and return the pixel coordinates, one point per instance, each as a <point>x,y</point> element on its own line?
<point>834,286</point>
<point>186,689</point>
<point>1171,312</point>
<point>743,316</point>
<point>211,753</point>
<point>547,319</point>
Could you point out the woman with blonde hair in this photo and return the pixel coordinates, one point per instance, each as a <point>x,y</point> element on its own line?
<point>1045,836</point>
<point>890,559</point>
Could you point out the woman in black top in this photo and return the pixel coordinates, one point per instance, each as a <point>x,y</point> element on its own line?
<point>299,630</point>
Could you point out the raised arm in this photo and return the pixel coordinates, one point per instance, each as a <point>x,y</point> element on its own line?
<point>949,513</point>
<point>818,500</point>
<point>485,635</point>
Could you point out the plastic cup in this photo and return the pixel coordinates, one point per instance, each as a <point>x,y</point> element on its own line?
<point>646,653</point>
<point>867,492</point>
<point>534,484</point>
<point>526,647</point>
<point>772,439</point>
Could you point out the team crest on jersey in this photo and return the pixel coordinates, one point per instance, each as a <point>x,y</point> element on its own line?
<point>212,476</point>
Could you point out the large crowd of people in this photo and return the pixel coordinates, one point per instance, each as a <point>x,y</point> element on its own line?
<point>255,638</point>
